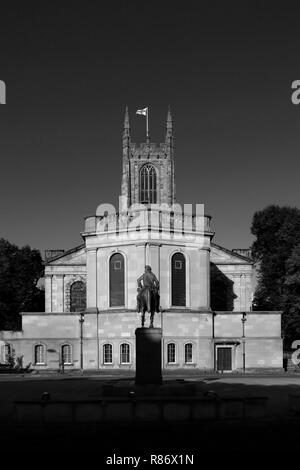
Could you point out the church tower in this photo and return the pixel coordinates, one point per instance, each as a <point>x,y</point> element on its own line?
<point>148,169</point>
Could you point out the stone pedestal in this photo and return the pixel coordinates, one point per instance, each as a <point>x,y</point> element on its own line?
<point>148,356</point>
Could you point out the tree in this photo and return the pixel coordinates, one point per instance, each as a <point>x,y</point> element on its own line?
<point>277,232</point>
<point>20,270</point>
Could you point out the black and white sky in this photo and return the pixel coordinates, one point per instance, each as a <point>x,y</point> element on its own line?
<point>70,68</point>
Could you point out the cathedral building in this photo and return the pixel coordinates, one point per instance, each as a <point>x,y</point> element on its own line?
<point>205,290</point>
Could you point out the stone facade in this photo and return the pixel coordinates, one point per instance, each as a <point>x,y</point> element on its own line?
<point>100,336</point>
<point>206,332</point>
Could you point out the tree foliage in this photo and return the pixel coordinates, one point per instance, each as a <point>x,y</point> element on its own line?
<point>20,270</point>
<point>277,232</point>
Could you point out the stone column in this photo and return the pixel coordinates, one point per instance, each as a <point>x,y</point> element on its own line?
<point>59,293</point>
<point>136,267</point>
<point>237,292</point>
<point>165,277</point>
<point>48,293</point>
<point>153,252</point>
<point>102,279</point>
<point>204,280</point>
<point>249,291</point>
<point>91,267</point>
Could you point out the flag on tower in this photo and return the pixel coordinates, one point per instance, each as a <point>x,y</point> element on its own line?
<point>143,112</point>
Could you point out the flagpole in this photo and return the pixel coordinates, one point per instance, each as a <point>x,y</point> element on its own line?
<point>147,125</point>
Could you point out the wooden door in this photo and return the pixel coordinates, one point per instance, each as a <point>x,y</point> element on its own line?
<point>224,359</point>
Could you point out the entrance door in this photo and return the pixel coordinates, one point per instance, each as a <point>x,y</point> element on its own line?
<point>224,359</point>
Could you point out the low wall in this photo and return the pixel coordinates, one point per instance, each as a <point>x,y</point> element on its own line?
<point>164,409</point>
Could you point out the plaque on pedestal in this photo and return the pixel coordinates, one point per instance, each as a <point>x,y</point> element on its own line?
<point>148,356</point>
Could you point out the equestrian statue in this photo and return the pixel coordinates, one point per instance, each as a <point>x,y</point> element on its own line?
<point>148,295</point>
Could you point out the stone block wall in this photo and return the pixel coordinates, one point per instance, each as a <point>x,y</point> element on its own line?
<point>262,342</point>
<point>242,277</point>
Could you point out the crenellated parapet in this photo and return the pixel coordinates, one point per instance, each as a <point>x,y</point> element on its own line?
<point>151,150</point>
<point>162,221</point>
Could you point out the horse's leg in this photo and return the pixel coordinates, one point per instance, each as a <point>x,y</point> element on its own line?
<point>151,319</point>
<point>152,311</point>
<point>143,318</point>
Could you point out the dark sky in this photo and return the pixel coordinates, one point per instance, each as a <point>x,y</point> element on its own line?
<point>70,68</point>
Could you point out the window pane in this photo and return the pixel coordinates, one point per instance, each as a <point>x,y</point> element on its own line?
<point>148,185</point>
<point>171,352</point>
<point>124,354</point>
<point>188,352</point>
<point>39,354</point>
<point>107,353</point>
<point>116,280</point>
<point>66,354</point>
<point>7,352</point>
<point>178,280</point>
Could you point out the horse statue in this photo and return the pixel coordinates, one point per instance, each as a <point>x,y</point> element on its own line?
<point>148,297</point>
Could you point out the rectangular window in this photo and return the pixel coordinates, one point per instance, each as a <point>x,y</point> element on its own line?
<point>125,354</point>
<point>39,354</point>
<point>66,354</point>
<point>8,353</point>
<point>117,265</point>
<point>188,352</point>
<point>178,264</point>
<point>171,353</point>
<point>107,354</point>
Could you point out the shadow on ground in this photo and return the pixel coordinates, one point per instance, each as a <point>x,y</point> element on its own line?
<point>273,436</point>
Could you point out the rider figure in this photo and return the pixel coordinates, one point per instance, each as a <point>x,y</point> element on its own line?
<point>148,279</point>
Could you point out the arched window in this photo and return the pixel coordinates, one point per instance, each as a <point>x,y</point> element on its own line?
<point>171,353</point>
<point>8,353</point>
<point>116,281</point>
<point>178,280</point>
<point>188,353</point>
<point>66,354</point>
<point>39,354</point>
<point>77,296</point>
<point>148,184</point>
<point>107,354</point>
<point>124,353</point>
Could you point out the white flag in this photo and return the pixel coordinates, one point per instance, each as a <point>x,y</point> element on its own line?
<point>143,112</point>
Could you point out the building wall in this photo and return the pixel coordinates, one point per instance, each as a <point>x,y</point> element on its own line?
<point>205,331</point>
<point>94,268</point>
<point>158,256</point>
<point>58,280</point>
<point>242,277</point>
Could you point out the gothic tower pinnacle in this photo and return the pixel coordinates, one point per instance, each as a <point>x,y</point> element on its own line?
<point>126,130</point>
<point>125,188</point>
<point>169,134</point>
